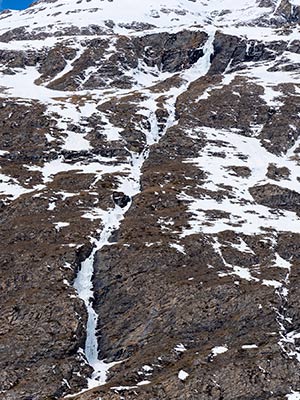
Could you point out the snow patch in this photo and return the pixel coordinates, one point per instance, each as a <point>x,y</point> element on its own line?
<point>182,375</point>
<point>219,350</point>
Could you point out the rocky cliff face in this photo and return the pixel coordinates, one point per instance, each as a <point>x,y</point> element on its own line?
<point>149,200</point>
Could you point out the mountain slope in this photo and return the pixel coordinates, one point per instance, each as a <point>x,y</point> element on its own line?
<point>149,200</point>
<point>119,16</point>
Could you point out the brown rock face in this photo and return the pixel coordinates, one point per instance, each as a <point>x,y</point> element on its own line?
<point>276,197</point>
<point>171,52</point>
<point>289,11</point>
<point>149,203</point>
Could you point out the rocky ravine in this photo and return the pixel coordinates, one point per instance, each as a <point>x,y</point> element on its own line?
<point>149,200</point>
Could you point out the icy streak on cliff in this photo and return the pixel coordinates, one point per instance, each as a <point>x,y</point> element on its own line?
<point>111,219</point>
<point>84,286</point>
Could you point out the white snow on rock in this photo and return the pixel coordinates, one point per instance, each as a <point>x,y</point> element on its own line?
<point>249,346</point>
<point>243,273</point>
<point>234,270</point>
<point>242,247</point>
<point>178,247</point>
<point>142,383</point>
<point>219,350</point>
<point>182,375</point>
<point>11,187</point>
<point>180,348</point>
<point>272,283</point>
<point>281,262</point>
<point>59,225</point>
<point>147,368</point>
<point>293,396</point>
<point>121,388</point>
<point>244,215</point>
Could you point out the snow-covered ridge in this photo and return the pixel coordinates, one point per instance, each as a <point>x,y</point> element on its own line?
<point>52,16</point>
